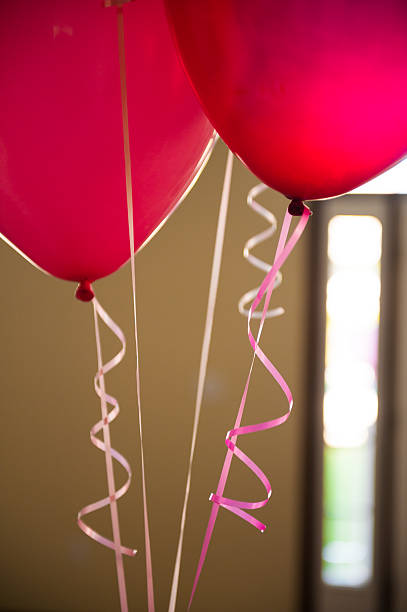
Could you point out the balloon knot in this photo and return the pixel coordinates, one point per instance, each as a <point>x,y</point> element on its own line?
<point>296,208</point>
<point>84,291</point>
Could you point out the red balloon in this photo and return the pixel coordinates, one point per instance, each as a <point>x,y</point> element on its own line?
<point>62,174</point>
<point>311,95</point>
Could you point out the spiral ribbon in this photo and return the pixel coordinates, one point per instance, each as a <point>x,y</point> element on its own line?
<point>254,241</point>
<point>103,425</point>
<point>240,508</point>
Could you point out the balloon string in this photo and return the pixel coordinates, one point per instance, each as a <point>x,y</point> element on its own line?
<point>110,453</point>
<point>248,297</point>
<point>213,288</point>
<point>239,508</point>
<point>129,197</point>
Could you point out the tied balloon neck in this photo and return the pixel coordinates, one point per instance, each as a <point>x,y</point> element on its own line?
<point>84,291</point>
<point>296,208</point>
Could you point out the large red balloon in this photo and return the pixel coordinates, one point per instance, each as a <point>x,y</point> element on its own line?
<point>62,176</point>
<point>311,95</point>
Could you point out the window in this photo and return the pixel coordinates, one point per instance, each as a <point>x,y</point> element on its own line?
<point>350,404</point>
<point>351,542</point>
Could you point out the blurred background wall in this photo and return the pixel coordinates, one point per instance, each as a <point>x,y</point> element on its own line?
<point>49,469</point>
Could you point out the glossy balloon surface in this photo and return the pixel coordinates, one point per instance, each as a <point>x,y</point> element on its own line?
<point>62,173</point>
<point>310,94</point>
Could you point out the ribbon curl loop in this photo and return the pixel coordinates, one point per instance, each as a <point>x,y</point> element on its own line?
<point>254,241</point>
<point>102,445</point>
<point>284,248</point>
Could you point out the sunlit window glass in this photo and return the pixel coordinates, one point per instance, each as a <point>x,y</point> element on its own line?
<point>350,400</point>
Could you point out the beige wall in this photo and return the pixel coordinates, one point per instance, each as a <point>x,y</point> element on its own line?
<point>49,469</point>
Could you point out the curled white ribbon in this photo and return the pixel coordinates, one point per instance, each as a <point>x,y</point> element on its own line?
<point>246,300</point>
<point>110,453</point>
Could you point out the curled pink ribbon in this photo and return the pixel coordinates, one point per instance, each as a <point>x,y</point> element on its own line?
<point>110,453</point>
<point>239,508</point>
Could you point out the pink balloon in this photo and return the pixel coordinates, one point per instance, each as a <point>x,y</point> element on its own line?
<point>62,176</point>
<point>311,95</point>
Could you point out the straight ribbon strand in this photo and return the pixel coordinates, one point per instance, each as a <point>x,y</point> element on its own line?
<point>213,289</point>
<point>284,248</point>
<point>129,197</point>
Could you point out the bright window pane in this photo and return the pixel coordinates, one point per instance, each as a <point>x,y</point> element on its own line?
<point>350,401</point>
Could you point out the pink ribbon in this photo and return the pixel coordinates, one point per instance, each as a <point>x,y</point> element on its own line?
<point>240,508</point>
<point>110,453</point>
